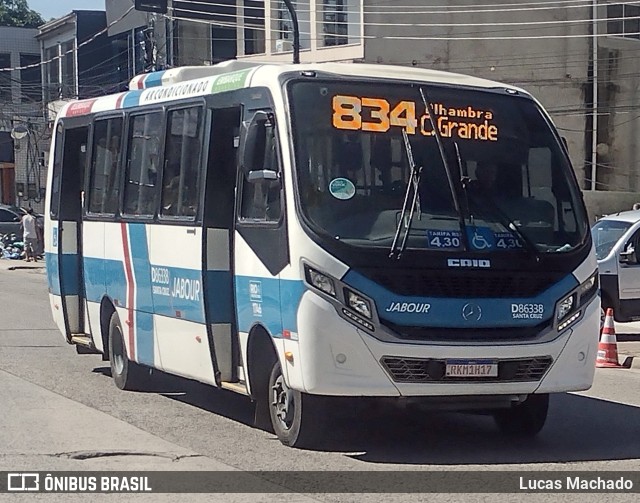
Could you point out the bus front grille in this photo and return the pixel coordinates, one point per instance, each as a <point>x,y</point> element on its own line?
<point>427,370</point>
<point>467,284</point>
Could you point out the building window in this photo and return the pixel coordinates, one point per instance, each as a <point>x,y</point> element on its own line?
<point>624,20</point>
<point>5,77</point>
<point>254,27</point>
<point>335,25</point>
<point>30,78</point>
<point>283,27</point>
<point>68,70</point>
<point>52,91</point>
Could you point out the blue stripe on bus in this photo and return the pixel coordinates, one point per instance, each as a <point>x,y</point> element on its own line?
<point>70,283</point>
<point>145,339</point>
<point>153,79</point>
<point>271,302</point>
<point>131,99</point>
<point>144,301</point>
<point>447,312</point>
<point>53,273</point>
<point>219,287</point>
<point>178,294</point>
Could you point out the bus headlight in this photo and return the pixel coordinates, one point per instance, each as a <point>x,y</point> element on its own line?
<point>565,306</point>
<point>358,303</point>
<point>320,281</point>
<point>568,309</point>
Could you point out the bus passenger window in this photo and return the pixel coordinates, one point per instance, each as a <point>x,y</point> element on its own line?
<point>181,176</point>
<point>103,185</point>
<point>143,162</point>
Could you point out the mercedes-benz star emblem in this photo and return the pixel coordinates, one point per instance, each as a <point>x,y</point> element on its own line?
<point>471,312</point>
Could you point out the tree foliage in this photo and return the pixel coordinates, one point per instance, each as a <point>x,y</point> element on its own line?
<point>17,13</point>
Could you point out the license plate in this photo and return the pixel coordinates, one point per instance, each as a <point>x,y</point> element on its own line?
<point>472,368</point>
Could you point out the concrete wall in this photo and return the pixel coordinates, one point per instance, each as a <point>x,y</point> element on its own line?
<point>619,121</point>
<point>604,203</point>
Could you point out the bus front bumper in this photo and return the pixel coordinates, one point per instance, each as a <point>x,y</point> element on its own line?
<point>333,357</point>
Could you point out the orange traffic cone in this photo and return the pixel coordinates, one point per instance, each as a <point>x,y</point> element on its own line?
<point>608,346</point>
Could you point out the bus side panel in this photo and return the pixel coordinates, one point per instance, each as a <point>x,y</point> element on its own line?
<point>53,274</point>
<point>176,288</point>
<point>94,276</point>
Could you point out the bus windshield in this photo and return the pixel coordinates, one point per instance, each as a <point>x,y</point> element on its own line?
<point>501,182</point>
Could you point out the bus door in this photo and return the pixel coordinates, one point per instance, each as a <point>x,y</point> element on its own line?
<point>219,213</point>
<point>260,247</point>
<point>67,198</point>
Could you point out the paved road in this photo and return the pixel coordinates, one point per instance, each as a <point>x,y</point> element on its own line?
<point>61,411</point>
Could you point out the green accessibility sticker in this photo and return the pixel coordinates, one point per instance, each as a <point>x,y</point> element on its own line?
<point>342,188</point>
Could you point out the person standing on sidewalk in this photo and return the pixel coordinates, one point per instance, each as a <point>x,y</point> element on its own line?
<point>30,235</point>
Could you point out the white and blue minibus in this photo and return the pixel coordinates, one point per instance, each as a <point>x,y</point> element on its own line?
<point>298,233</point>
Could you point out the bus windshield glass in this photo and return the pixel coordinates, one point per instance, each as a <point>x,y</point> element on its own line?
<point>500,183</point>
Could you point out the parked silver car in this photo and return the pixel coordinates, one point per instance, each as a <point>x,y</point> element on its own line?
<point>10,217</point>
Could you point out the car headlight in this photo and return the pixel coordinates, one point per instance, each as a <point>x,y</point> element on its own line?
<point>321,281</point>
<point>358,303</point>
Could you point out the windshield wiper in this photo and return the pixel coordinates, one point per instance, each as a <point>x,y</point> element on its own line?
<point>443,156</point>
<point>414,182</point>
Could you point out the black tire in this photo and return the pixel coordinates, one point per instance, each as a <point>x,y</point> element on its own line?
<point>525,419</point>
<point>127,375</point>
<point>292,412</point>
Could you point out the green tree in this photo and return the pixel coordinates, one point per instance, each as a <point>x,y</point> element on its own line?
<point>17,13</point>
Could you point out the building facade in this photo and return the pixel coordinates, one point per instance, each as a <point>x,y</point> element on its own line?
<point>22,131</point>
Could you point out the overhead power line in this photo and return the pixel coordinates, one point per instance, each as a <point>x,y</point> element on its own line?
<point>88,41</point>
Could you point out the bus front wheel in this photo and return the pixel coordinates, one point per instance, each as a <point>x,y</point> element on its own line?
<point>525,419</point>
<point>291,412</point>
<point>126,374</point>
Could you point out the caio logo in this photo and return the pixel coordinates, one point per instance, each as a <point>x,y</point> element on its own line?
<point>469,262</point>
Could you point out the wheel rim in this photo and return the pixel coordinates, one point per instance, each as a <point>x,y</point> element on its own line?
<point>118,352</point>
<point>283,402</point>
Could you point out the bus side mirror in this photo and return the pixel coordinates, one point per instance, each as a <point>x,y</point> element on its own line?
<point>252,148</point>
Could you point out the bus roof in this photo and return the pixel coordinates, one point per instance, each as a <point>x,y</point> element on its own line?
<point>192,81</point>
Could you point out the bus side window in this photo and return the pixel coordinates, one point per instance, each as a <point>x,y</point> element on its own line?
<point>143,162</point>
<point>181,176</point>
<point>261,198</point>
<point>103,176</point>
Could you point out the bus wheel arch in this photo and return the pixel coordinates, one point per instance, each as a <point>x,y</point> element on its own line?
<point>261,357</point>
<point>289,413</point>
<point>127,374</point>
<point>106,311</point>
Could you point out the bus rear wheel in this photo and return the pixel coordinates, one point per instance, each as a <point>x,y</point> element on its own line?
<point>525,419</point>
<point>127,375</point>
<point>291,412</point>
